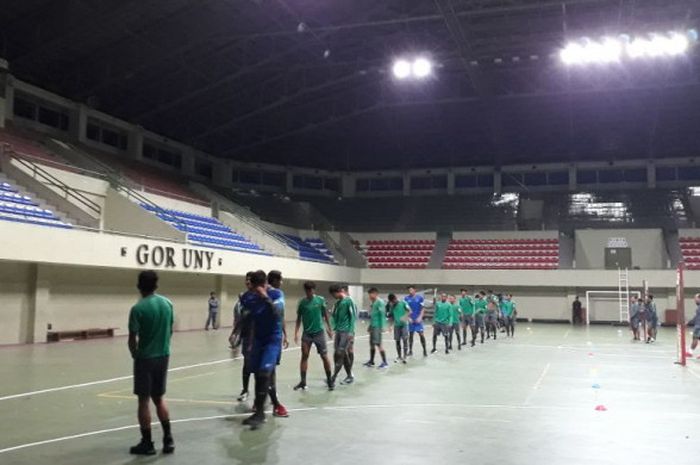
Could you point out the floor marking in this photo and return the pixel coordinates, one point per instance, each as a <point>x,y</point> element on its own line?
<point>566,334</point>
<point>122,378</point>
<point>171,399</point>
<point>537,384</point>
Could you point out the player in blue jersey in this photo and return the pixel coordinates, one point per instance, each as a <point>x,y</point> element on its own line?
<point>415,319</point>
<point>266,340</point>
<point>274,282</point>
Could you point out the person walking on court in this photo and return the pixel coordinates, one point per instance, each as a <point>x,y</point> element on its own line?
<point>274,286</point>
<point>466,303</point>
<point>696,327</point>
<point>577,311</point>
<point>377,321</point>
<point>479,315</point>
<point>416,303</point>
<point>150,330</point>
<point>241,336</point>
<point>312,312</point>
<point>344,317</point>
<point>266,341</point>
<point>441,322</point>
<point>652,318</point>
<point>509,313</point>
<point>635,316</point>
<point>455,318</point>
<point>400,316</point>
<point>213,304</point>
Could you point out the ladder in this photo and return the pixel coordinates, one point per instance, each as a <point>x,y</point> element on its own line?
<point>623,289</point>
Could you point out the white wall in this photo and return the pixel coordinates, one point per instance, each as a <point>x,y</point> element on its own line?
<point>364,237</point>
<point>506,235</point>
<point>648,249</point>
<point>122,215</point>
<point>174,204</point>
<point>93,188</point>
<point>15,301</point>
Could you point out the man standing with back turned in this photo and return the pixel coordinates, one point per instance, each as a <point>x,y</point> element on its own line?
<point>150,329</point>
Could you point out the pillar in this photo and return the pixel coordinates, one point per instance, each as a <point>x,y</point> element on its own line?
<point>450,183</point>
<point>135,144</point>
<point>39,315</point>
<point>651,175</point>
<point>289,184</point>
<point>222,173</point>
<point>188,163</point>
<point>222,294</point>
<point>572,178</point>
<point>79,128</point>
<point>9,103</point>
<point>406,184</point>
<point>348,185</point>
<point>497,182</point>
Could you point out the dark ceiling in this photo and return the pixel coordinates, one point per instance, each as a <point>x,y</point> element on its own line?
<point>307,82</point>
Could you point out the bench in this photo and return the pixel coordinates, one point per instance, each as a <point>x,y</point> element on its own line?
<point>79,334</point>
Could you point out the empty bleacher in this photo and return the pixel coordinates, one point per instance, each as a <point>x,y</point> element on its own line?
<point>500,254</point>
<point>205,230</point>
<point>405,253</point>
<point>14,206</point>
<point>690,247</point>
<point>312,249</point>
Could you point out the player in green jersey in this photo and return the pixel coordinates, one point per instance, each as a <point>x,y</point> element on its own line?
<point>377,322</point>
<point>399,314</point>
<point>312,312</point>
<point>466,303</point>
<point>344,317</point>
<point>509,312</point>
<point>455,317</point>
<point>479,315</point>
<point>441,322</point>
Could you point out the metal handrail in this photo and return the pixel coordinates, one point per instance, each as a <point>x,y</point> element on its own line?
<point>52,180</point>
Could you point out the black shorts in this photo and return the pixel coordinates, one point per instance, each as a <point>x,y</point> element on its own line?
<point>316,339</point>
<point>150,376</point>
<point>344,342</point>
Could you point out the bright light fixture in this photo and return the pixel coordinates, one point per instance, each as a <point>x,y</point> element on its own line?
<point>613,49</point>
<point>414,68</point>
<point>422,68</point>
<point>402,69</point>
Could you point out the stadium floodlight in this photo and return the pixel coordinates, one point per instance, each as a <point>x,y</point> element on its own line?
<point>613,49</point>
<point>417,68</point>
<point>401,69</point>
<point>421,68</point>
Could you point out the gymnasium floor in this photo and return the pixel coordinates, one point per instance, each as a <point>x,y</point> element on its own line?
<point>530,400</point>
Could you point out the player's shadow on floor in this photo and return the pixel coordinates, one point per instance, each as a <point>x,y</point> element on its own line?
<point>253,447</point>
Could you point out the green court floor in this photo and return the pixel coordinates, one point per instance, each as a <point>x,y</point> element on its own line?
<point>529,400</point>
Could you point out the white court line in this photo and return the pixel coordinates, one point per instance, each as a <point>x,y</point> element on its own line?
<point>122,378</point>
<point>566,334</point>
<point>537,384</point>
<point>239,415</point>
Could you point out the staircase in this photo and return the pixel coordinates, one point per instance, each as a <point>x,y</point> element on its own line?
<point>441,243</point>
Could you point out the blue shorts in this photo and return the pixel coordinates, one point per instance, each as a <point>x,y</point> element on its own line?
<point>264,357</point>
<point>415,328</point>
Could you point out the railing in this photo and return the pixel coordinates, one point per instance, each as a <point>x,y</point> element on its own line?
<point>51,180</point>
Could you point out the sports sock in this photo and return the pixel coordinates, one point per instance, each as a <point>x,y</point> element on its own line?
<point>410,342</point>
<point>398,348</point>
<point>146,434</point>
<point>273,389</point>
<point>372,352</point>
<point>422,343</point>
<point>165,424</point>
<point>262,388</point>
<point>303,377</point>
<point>383,354</point>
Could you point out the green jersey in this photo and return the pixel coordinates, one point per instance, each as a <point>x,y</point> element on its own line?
<point>399,312</point>
<point>507,307</point>
<point>443,312</point>
<point>344,315</point>
<point>480,306</point>
<point>455,311</point>
<point>377,316</point>
<point>311,312</point>
<point>151,319</point>
<point>467,305</point>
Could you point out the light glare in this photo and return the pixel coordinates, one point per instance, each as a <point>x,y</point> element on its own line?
<point>612,50</point>
<point>402,69</point>
<point>422,68</point>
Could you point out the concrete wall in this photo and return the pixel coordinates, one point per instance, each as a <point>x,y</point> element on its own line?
<point>364,237</point>
<point>506,235</point>
<point>15,301</point>
<point>174,204</point>
<point>123,215</point>
<point>648,250</point>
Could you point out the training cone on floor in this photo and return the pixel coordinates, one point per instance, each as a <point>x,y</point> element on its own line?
<point>601,408</point>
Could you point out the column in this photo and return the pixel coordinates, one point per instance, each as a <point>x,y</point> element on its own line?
<point>39,315</point>
<point>289,182</point>
<point>497,182</point>
<point>224,304</point>
<point>9,104</point>
<point>348,184</point>
<point>450,183</point>
<point>651,175</point>
<point>406,184</point>
<point>572,178</point>
<point>135,144</point>
<point>188,163</point>
<point>222,173</point>
<point>79,127</point>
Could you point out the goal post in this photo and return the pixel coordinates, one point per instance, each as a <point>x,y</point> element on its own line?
<point>612,297</point>
<point>681,354</point>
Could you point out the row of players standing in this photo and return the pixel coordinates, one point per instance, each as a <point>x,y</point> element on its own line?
<point>259,330</point>
<point>485,312</point>
<point>643,315</point>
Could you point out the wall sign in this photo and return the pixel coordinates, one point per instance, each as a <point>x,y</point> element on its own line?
<point>170,257</point>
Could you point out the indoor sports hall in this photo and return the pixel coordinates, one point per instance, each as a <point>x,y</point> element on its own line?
<point>397,232</point>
